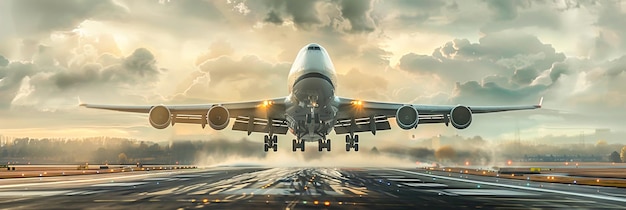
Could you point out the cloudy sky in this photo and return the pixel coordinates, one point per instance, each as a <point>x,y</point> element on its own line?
<point>484,52</point>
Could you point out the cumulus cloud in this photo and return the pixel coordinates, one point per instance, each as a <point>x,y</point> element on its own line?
<point>358,13</point>
<point>3,61</point>
<point>506,10</point>
<point>610,41</point>
<point>508,54</point>
<point>55,77</point>
<point>273,17</point>
<point>139,66</point>
<point>11,77</point>
<point>470,52</point>
<point>304,14</point>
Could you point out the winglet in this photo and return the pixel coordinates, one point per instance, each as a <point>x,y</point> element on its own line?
<point>540,102</point>
<point>80,103</point>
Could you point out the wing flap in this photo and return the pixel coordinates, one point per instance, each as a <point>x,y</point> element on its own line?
<point>190,119</point>
<point>260,125</point>
<point>343,126</point>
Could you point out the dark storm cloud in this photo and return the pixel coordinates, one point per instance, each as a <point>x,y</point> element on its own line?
<point>541,17</point>
<point>504,45</point>
<point>344,15</point>
<point>304,14</point>
<point>417,10</point>
<point>460,18</point>
<point>141,62</point>
<point>11,77</point>
<point>557,70</point>
<point>507,10</point>
<point>273,17</point>
<point>449,69</point>
<point>489,93</point>
<point>358,13</point>
<point>616,67</point>
<point>204,10</point>
<point>45,79</point>
<point>524,76</point>
<point>3,61</point>
<point>38,18</point>
<point>139,66</point>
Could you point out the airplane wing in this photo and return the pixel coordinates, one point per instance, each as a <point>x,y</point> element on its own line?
<point>362,116</point>
<point>265,116</point>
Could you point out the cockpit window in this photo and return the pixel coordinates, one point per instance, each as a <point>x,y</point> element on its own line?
<point>313,48</point>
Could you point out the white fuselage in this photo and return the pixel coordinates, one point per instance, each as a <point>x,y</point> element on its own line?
<point>312,81</point>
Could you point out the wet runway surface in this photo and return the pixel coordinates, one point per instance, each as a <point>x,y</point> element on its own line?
<point>299,188</point>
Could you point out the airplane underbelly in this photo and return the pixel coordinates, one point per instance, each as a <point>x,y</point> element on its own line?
<point>311,127</point>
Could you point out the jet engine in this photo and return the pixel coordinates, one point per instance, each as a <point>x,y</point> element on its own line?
<point>461,117</point>
<point>218,117</point>
<point>407,117</point>
<point>160,117</point>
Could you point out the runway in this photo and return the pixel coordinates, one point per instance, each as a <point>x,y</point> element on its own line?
<point>299,188</point>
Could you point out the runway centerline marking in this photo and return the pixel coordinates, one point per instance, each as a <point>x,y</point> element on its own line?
<point>602,197</point>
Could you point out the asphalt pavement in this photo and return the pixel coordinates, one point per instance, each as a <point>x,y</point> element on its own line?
<point>299,188</point>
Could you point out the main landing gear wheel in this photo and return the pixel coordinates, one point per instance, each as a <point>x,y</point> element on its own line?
<point>297,144</point>
<point>323,144</point>
<point>352,142</point>
<point>271,143</point>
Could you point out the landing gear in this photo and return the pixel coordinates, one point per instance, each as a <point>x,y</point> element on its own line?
<point>352,142</point>
<point>323,144</point>
<point>271,142</point>
<point>297,144</point>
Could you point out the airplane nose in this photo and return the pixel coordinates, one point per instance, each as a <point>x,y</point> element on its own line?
<point>313,45</point>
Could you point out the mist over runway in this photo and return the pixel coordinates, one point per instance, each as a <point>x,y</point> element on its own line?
<point>299,188</point>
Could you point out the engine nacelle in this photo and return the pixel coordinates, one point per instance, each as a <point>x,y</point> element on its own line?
<point>160,117</point>
<point>407,117</point>
<point>218,117</point>
<point>461,117</point>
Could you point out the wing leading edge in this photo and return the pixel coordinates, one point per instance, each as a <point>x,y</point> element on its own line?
<point>261,115</point>
<point>357,109</point>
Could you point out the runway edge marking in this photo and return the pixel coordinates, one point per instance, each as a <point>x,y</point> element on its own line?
<point>602,197</point>
<point>81,180</point>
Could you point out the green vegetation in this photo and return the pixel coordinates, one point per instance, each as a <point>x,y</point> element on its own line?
<point>614,157</point>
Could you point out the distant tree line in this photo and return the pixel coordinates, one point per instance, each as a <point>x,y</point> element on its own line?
<point>458,150</point>
<point>122,151</point>
<point>476,150</point>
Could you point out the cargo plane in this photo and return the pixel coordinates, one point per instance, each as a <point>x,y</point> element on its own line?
<point>311,111</point>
